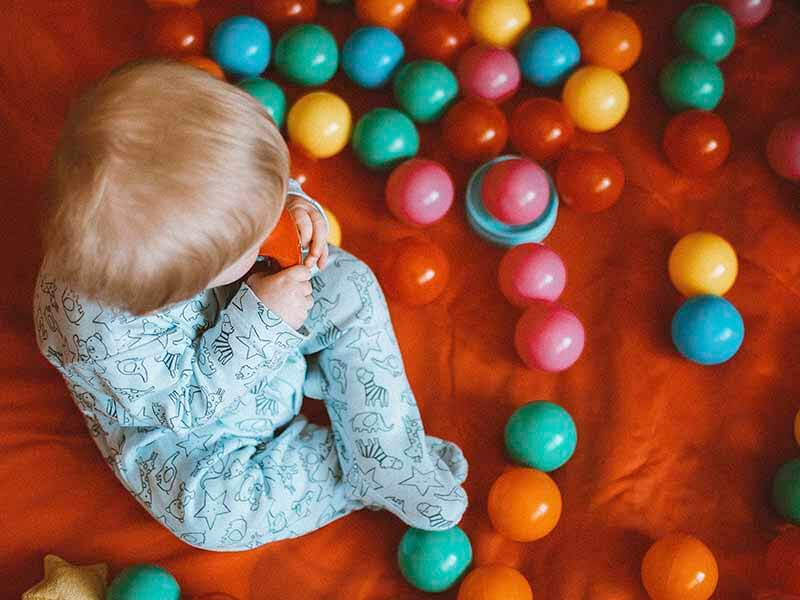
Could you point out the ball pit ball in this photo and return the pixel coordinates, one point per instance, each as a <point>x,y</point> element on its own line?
<point>572,13</point>
<point>783,149</point>
<point>214,596</point>
<point>143,581</point>
<point>448,4</point>
<point>495,583</point>
<point>414,271</point>
<point>748,13</point>
<point>696,142</point>
<point>391,14</point>
<point>498,22</point>
<point>419,192</point>
<point>590,180</point>
<point>474,130</point>
<point>424,89</point>
<point>529,273</point>
<point>488,73</point>
<point>596,98</point>
<point>786,491</point>
<point>384,137</point>
<point>283,13</point>
<point>541,435</point>
<point>319,124</point>
<point>433,561</point>
<point>241,46</point>
<point>524,504</point>
<point>436,33</point>
<point>707,330</point>
<point>515,191</point>
<point>706,30</point>
<point>269,94</point>
<point>547,55</point>
<point>679,567</point>
<point>204,64</point>
<point>610,39</point>
<point>703,263</point>
<point>691,82</point>
<point>175,32</point>
<point>159,4</point>
<point>307,55</point>
<point>334,228</point>
<point>541,128</point>
<point>549,337</point>
<point>371,55</point>
<point>783,561</point>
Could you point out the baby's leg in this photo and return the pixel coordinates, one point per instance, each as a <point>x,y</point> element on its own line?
<point>356,368</point>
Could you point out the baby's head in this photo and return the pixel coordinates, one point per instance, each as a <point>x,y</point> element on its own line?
<point>165,182</point>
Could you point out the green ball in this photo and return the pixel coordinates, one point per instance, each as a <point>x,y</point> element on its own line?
<point>384,137</point>
<point>786,491</point>
<point>269,94</point>
<point>541,435</point>
<point>433,561</point>
<point>690,82</point>
<point>144,582</point>
<point>424,89</point>
<point>307,55</point>
<point>706,30</point>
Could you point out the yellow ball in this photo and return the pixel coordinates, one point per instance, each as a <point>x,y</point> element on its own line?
<point>319,123</point>
<point>596,98</point>
<point>797,428</point>
<point>335,230</point>
<point>498,22</point>
<point>702,263</point>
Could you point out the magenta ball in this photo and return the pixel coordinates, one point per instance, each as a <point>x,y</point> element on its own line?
<point>549,337</point>
<point>748,13</point>
<point>783,149</point>
<point>531,272</point>
<point>515,191</point>
<point>419,192</point>
<point>488,73</point>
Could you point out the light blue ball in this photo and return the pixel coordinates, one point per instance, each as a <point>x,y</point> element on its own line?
<point>548,55</point>
<point>707,330</point>
<point>371,55</point>
<point>241,46</point>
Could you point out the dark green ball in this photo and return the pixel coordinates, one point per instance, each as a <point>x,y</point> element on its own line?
<point>691,82</point>
<point>269,94</point>
<point>384,137</point>
<point>706,30</point>
<point>144,582</point>
<point>424,89</point>
<point>307,55</point>
<point>433,561</point>
<point>786,491</point>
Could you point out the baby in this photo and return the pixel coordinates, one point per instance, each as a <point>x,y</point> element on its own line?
<point>190,373</point>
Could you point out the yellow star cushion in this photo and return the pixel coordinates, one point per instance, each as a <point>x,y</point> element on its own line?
<point>63,581</point>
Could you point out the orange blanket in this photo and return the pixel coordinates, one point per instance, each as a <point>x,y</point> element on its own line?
<point>664,445</point>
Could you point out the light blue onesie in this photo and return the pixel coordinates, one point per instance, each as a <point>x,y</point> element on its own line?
<point>195,408</point>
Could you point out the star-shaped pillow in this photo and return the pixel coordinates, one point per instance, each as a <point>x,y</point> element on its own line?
<point>63,581</point>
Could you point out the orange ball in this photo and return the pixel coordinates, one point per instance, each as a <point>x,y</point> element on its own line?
<point>495,583</point>
<point>436,33</point>
<point>278,14</point>
<point>205,64</point>
<point>679,567</point>
<point>415,271</point>
<point>524,504</point>
<point>171,3</point>
<point>571,13</point>
<point>391,14</point>
<point>541,128</point>
<point>610,39</point>
<point>474,130</point>
<point>175,32</point>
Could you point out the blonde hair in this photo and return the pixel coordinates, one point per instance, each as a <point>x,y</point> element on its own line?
<point>162,178</point>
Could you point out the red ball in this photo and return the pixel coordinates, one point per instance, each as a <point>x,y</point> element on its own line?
<point>590,180</point>
<point>783,561</point>
<point>436,33</point>
<point>175,32</point>
<point>278,14</point>
<point>549,337</point>
<point>531,272</point>
<point>541,128</point>
<point>158,4</point>
<point>414,271</point>
<point>214,596</point>
<point>474,130</point>
<point>515,191</point>
<point>392,14</point>
<point>696,142</point>
<point>783,149</point>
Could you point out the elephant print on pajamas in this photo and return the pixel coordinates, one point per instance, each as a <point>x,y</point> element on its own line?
<point>370,422</point>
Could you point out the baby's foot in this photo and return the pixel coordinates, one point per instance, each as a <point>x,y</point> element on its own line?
<point>448,457</point>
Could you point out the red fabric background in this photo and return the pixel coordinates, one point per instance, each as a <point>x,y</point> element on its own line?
<point>665,445</point>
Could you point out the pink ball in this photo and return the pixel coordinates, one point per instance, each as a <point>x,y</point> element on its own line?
<point>531,272</point>
<point>549,337</point>
<point>783,149</point>
<point>488,73</point>
<point>748,13</point>
<point>419,192</point>
<point>515,191</point>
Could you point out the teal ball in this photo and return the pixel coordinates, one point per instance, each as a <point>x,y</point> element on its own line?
<point>144,582</point>
<point>424,89</point>
<point>691,82</point>
<point>433,561</point>
<point>269,94</point>
<point>706,30</point>
<point>541,435</point>
<point>307,55</point>
<point>384,137</point>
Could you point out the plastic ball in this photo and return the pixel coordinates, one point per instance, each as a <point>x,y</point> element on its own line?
<point>531,272</point>
<point>498,22</point>
<point>783,561</point>
<point>214,596</point>
<point>334,229</point>
<point>679,567</point>
<point>515,191</point>
<point>547,55</point>
<point>524,504</point>
<point>549,337</point>
<point>474,130</point>
<point>448,4</point>
<point>610,39</point>
<point>706,30</point>
<point>283,13</point>
<point>696,142</point>
<point>596,98</point>
<point>175,32</point>
<point>241,46</point>
<point>391,14</point>
<point>786,491</point>
<point>495,583</point>
<point>433,561</point>
<point>424,89</point>
<point>783,149</point>
<point>419,192</point>
<point>269,94</point>
<point>415,271</point>
<point>702,263</point>
<point>204,64</point>
<point>159,4</point>
<point>319,124</point>
<point>572,13</point>
<point>541,128</point>
<point>488,73</point>
<point>748,13</point>
<point>590,180</point>
<point>541,435</point>
<point>707,330</point>
<point>143,581</point>
<point>371,55</point>
<point>691,82</point>
<point>307,55</point>
<point>436,33</point>
<point>384,137</point>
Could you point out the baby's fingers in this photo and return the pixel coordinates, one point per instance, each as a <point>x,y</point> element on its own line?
<point>304,225</point>
<point>320,237</point>
<point>298,273</point>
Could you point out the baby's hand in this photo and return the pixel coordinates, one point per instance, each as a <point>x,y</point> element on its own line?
<point>313,231</point>
<point>287,293</point>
